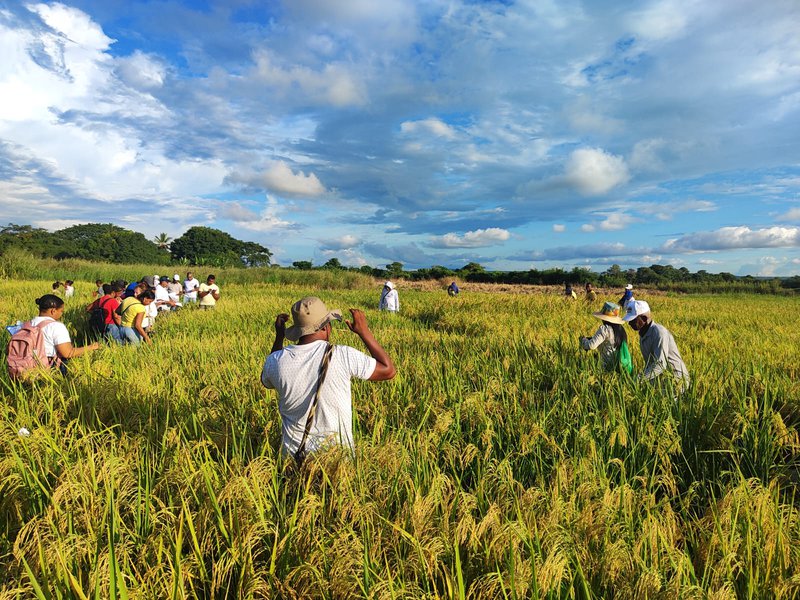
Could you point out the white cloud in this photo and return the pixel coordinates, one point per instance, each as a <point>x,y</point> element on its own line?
<point>616,222</point>
<point>431,125</point>
<point>344,242</point>
<point>280,179</point>
<point>587,228</point>
<point>661,21</point>
<point>334,84</point>
<point>141,71</point>
<point>472,239</point>
<point>269,219</point>
<point>595,172</point>
<point>557,228</point>
<point>730,238</point>
<point>792,215</point>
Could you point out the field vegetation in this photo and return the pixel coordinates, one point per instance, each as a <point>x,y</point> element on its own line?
<point>499,463</point>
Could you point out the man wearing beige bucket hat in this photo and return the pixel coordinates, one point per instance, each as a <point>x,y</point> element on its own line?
<point>312,377</point>
<point>610,338</point>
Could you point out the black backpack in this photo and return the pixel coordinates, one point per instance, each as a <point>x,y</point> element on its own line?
<point>97,317</point>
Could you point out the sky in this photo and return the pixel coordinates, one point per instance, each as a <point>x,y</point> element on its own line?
<point>520,135</point>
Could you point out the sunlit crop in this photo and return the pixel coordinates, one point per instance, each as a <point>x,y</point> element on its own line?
<point>501,462</point>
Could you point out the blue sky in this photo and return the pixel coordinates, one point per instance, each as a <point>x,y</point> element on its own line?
<point>516,134</point>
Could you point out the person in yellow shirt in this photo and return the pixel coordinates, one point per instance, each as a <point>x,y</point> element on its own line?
<point>132,312</point>
<point>208,293</point>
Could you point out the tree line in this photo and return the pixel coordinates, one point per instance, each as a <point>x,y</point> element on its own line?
<point>104,242</point>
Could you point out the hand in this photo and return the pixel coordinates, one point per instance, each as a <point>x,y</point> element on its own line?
<point>359,323</point>
<point>95,346</point>
<point>280,324</point>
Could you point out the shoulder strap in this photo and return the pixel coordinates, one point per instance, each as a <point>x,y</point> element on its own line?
<point>300,455</point>
<point>131,304</point>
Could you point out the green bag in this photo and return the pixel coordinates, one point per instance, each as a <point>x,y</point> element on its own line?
<point>624,358</point>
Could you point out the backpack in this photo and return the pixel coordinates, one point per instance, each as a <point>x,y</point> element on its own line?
<point>26,350</point>
<point>97,317</point>
<point>624,359</point>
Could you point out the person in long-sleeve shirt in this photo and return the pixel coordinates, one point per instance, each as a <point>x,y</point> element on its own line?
<point>390,299</point>
<point>659,350</point>
<point>609,336</point>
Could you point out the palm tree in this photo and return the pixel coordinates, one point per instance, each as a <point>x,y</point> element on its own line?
<point>162,240</point>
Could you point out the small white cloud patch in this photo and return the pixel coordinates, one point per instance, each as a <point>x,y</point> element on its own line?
<point>595,172</point>
<point>472,239</point>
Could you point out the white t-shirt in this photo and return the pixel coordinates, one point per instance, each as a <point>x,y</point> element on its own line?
<point>54,334</point>
<point>150,314</point>
<point>162,295</point>
<point>293,372</point>
<point>190,288</point>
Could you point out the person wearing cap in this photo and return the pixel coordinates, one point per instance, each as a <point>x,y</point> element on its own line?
<point>659,350</point>
<point>175,289</point>
<point>627,297</point>
<point>294,372</point>
<point>163,301</point>
<point>208,293</point>
<point>390,299</point>
<point>608,338</point>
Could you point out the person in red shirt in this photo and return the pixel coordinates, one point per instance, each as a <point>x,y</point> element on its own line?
<point>108,303</point>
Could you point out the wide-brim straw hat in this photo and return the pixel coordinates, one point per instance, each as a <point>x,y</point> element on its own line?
<point>309,315</point>
<point>609,313</point>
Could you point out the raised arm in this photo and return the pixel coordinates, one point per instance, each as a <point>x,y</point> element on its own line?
<point>384,369</point>
<point>280,332</point>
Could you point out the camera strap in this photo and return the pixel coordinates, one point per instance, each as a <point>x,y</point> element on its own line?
<point>300,455</point>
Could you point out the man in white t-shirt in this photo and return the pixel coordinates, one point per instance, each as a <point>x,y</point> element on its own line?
<point>163,301</point>
<point>190,286</point>
<point>293,372</point>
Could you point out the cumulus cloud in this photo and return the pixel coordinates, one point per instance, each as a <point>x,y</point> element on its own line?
<point>142,71</point>
<point>792,215</point>
<point>431,126</point>
<point>344,242</point>
<point>268,220</point>
<point>730,238</point>
<point>334,84</point>
<point>595,172</point>
<point>557,228</point>
<point>279,178</point>
<point>472,239</point>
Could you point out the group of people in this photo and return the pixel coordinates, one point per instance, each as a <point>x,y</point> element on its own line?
<point>123,313</point>
<point>658,347</point>
<point>312,377</point>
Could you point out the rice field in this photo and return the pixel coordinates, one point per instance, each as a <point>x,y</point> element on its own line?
<point>501,462</point>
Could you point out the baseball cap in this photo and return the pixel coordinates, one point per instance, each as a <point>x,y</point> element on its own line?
<point>163,278</point>
<point>308,316</point>
<point>639,307</point>
<point>629,287</point>
<point>176,277</point>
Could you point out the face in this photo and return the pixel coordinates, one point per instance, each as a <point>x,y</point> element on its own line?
<point>147,301</point>
<point>637,323</point>
<point>188,276</point>
<point>210,281</point>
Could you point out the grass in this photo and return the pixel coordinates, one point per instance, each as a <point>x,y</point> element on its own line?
<point>499,463</point>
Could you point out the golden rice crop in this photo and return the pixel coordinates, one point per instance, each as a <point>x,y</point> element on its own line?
<point>501,462</point>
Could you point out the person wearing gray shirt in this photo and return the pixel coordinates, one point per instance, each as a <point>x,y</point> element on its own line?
<point>659,350</point>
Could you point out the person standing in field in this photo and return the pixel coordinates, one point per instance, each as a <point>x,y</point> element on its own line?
<point>452,289</point>
<point>132,312</point>
<point>627,297</point>
<point>312,377</point>
<point>208,293</point>
<point>390,299</point>
<point>57,342</point>
<point>591,295</point>
<point>609,339</point>
<point>659,350</point>
<point>190,286</point>
<point>569,293</point>
<point>175,289</point>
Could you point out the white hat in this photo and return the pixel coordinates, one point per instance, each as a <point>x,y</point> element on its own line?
<point>636,308</point>
<point>389,284</point>
<point>629,287</point>
<point>176,277</point>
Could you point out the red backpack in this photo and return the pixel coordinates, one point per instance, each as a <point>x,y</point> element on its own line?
<point>26,350</point>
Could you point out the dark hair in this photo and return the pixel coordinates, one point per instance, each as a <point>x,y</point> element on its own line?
<point>115,287</point>
<point>147,294</point>
<point>98,281</point>
<point>68,282</point>
<point>210,277</point>
<point>620,335</point>
<point>107,288</point>
<point>56,285</point>
<point>49,301</point>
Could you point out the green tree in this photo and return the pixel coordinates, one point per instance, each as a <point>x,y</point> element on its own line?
<point>303,265</point>
<point>35,240</point>
<point>206,245</point>
<point>394,269</point>
<point>333,263</point>
<point>106,242</point>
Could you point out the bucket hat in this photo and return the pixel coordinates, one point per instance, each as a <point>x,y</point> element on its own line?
<point>309,315</point>
<point>609,313</point>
